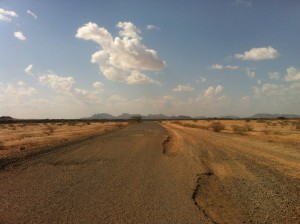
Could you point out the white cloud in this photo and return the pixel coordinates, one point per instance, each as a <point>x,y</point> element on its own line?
<point>293,74</point>
<point>152,27</point>
<point>18,90</point>
<point>216,67</point>
<point>201,79</point>
<point>183,88</point>
<point>232,67</point>
<point>138,78</point>
<point>274,75</point>
<point>28,69</point>
<point>212,91</point>
<point>32,14</point>
<point>57,83</point>
<point>19,35</point>
<point>65,85</point>
<point>256,54</point>
<point>98,85</point>
<point>124,57</point>
<point>223,67</point>
<point>269,90</point>
<point>7,16</point>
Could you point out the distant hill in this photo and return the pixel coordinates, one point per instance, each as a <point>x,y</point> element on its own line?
<point>126,116</point>
<point>102,116</point>
<point>263,115</point>
<point>6,118</point>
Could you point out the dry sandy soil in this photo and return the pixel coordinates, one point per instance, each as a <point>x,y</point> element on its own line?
<point>245,175</point>
<point>23,138</point>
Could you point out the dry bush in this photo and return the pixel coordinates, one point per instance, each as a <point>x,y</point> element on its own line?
<point>297,126</point>
<point>177,122</point>
<point>119,125</point>
<point>239,129</point>
<point>248,127</point>
<point>266,131</point>
<point>260,121</point>
<point>217,126</point>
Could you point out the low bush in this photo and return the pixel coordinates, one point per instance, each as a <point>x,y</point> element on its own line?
<point>239,129</point>
<point>217,126</point>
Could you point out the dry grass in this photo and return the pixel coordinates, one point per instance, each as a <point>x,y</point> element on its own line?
<point>277,131</point>
<point>26,136</point>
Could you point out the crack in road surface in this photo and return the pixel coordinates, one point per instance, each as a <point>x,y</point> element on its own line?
<point>196,193</point>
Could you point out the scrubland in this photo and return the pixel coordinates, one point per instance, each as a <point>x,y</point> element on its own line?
<point>277,131</point>
<point>18,138</point>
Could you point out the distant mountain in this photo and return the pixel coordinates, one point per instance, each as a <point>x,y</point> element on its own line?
<point>264,115</point>
<point>126,116</point>
<point>102,116</point>
<point>157,117</point>
<point>230,117</point>
<point>6,118</point>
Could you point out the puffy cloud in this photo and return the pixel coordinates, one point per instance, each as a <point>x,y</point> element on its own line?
<point>57,83</point>
<point>98,85</point>
<point>223,67</point>
<point>152,27</point>
<point>16,90</point>
<point>274,75</point>
<point>293,74</point>
<point>212,91</point>
<point>19,35</point>
<point>216,67</point>
<point>201,79</point>
<point>183,88</point>
<point>256,54</point>
<point>7,16</point>
<point>65,85</point>
<point>32,14</point>
<point>28,69</point>
<point>124,57</point>
<point>138,78</point>
<point>269,90</point>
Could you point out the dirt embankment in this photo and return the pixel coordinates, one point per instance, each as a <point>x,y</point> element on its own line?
<point>243,179</point>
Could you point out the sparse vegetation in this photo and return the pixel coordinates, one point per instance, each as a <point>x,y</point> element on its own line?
<point>217,126</point>
<point>241,129</point>
<point>137,118</point>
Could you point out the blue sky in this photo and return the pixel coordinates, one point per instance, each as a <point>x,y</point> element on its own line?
<point>70,59</point>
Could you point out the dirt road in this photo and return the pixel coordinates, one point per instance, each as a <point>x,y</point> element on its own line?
<point>135,176</point>
<point>242,180</point>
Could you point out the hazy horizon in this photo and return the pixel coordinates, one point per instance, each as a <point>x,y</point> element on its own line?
<point>66,59</point>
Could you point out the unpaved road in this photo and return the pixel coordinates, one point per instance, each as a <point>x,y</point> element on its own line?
<point>241,179</point>
<point>129,177</point>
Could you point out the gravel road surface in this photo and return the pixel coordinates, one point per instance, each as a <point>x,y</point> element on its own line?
<point>121,177</point>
